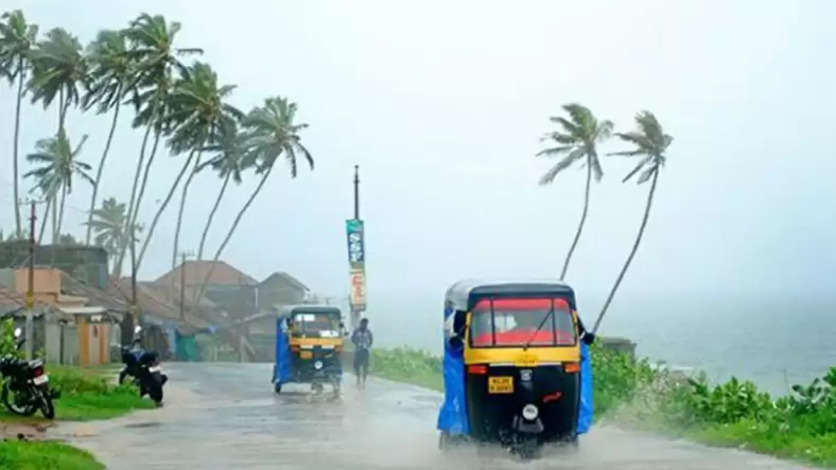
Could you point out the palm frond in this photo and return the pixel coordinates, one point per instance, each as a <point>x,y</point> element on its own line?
<point>560,166</point>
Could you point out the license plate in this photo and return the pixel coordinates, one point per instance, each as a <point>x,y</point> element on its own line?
<point>501,384</point>
<point>155,369</point>
<point>40,380</point>
<point>306,355</point>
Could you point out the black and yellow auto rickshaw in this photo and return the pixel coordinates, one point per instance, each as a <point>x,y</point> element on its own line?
<point>516,365</point>
<point>309,342</point>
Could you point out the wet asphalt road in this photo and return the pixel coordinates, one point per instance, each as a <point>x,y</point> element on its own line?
<point>226,416</point>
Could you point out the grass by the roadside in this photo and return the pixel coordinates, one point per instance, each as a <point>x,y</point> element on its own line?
<point>88,394</point>
<point>45,455</point>
<point>407,365</point>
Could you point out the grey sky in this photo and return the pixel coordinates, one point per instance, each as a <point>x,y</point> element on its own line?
<point>442,104</point>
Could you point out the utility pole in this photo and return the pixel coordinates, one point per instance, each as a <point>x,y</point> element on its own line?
<point>133,315</point>
<point>30,289</point>
<point>183,256</point>
<point>357,192</point>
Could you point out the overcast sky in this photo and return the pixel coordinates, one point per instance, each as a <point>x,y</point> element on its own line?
<point>442,105</point>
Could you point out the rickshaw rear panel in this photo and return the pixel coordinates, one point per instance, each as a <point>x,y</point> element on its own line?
<point>552,390</point>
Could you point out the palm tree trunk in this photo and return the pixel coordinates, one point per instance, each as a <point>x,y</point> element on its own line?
<point>101,166</point>
<point>180,213</point>
<point>161,210</point>
<point>209,272</point>
<point>55,219</point>
<point>144,183</point>
<point>62,110</point>
<point>117,269</point>
<point>632,252</point>
<point>212,216</point>
<point>46,219</point>
<point>583,219</point>
<point>60,215</point>
<point>15,144</point>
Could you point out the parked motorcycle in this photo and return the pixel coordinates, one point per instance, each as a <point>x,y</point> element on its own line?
<point>26,385</point>
<point>144,370</point>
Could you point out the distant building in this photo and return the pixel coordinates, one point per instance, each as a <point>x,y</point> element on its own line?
<point>281,289</point>
<point>228,288</point>
<point>85,263</point>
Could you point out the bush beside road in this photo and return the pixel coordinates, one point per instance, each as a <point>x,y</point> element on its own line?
<point>634,393</point>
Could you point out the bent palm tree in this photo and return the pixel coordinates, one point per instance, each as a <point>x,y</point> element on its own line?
<point>16,41</point>
<point>576,142</point>
<point>198,110</point>
<point>229,163</point>
<point>271,133</point>
<point>111,71</point>
<point>151,41</point>
<point>58,70</point>
<point>108,224</point>
<point>56,174</point>
<point>651,143</point>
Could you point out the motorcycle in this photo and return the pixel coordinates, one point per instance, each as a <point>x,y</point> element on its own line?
<point>26,385</point>
<point>143,368</point>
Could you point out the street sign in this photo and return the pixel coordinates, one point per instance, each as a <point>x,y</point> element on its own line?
<point>357,264</point>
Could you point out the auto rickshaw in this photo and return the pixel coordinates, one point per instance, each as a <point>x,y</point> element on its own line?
<point>516,366</point>
<point>309,342</point>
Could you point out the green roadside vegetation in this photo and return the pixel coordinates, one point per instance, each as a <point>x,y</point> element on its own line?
<point>633,393</point>
<point>85,395</point>
<point>34,455</point>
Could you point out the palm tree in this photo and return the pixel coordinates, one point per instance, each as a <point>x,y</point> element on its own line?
<point>575,142</point>
<point>198,111</point>
<point>151,47</point>
<point>58,70</point>
<point>108,224</point>
<point>229,163</point>
<point>651,143</point>
<point>111,72</point>
<point>16,41</point>
<point>56,174</point>
<point>271,133</point>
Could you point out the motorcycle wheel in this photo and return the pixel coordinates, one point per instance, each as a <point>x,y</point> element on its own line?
<point>10,401</point>
<point>47,409</point>
<point>122,375</point>
<point>156,394</point>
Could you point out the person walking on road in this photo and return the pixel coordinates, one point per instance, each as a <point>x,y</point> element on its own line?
<point>362,339</point>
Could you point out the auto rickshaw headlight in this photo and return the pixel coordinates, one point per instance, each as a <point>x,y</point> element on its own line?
<point>530,412</point>
<point>317,365</point>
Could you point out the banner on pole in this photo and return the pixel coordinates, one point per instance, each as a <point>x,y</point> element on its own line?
<point>357,264</point>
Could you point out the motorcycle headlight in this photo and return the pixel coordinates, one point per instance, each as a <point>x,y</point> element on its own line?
<point>317,365</point>
<point>530,412</point>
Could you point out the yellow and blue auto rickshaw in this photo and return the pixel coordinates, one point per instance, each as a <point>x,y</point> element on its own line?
<point>516,365</point>
<point>309,342</point>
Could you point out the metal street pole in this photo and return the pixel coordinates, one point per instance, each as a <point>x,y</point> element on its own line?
<point>357,192</point>
<point>30,290</point>
<point>132,316</point>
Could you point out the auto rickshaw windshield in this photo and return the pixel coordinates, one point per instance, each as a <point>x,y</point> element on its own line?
<point>316,325</point>
<point>522,322</point>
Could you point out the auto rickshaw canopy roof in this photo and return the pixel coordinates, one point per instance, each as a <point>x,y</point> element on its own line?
<point>464,294</point>
<point>309,308</point>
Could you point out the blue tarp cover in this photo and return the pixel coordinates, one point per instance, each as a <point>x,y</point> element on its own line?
<point>452,417</point>
<point>585,406</point>
<point>283,370</point>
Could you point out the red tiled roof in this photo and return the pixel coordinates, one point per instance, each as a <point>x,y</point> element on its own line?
<point>196,271</point>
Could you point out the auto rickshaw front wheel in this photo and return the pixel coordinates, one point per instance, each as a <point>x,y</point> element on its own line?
<point>277,387</point>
